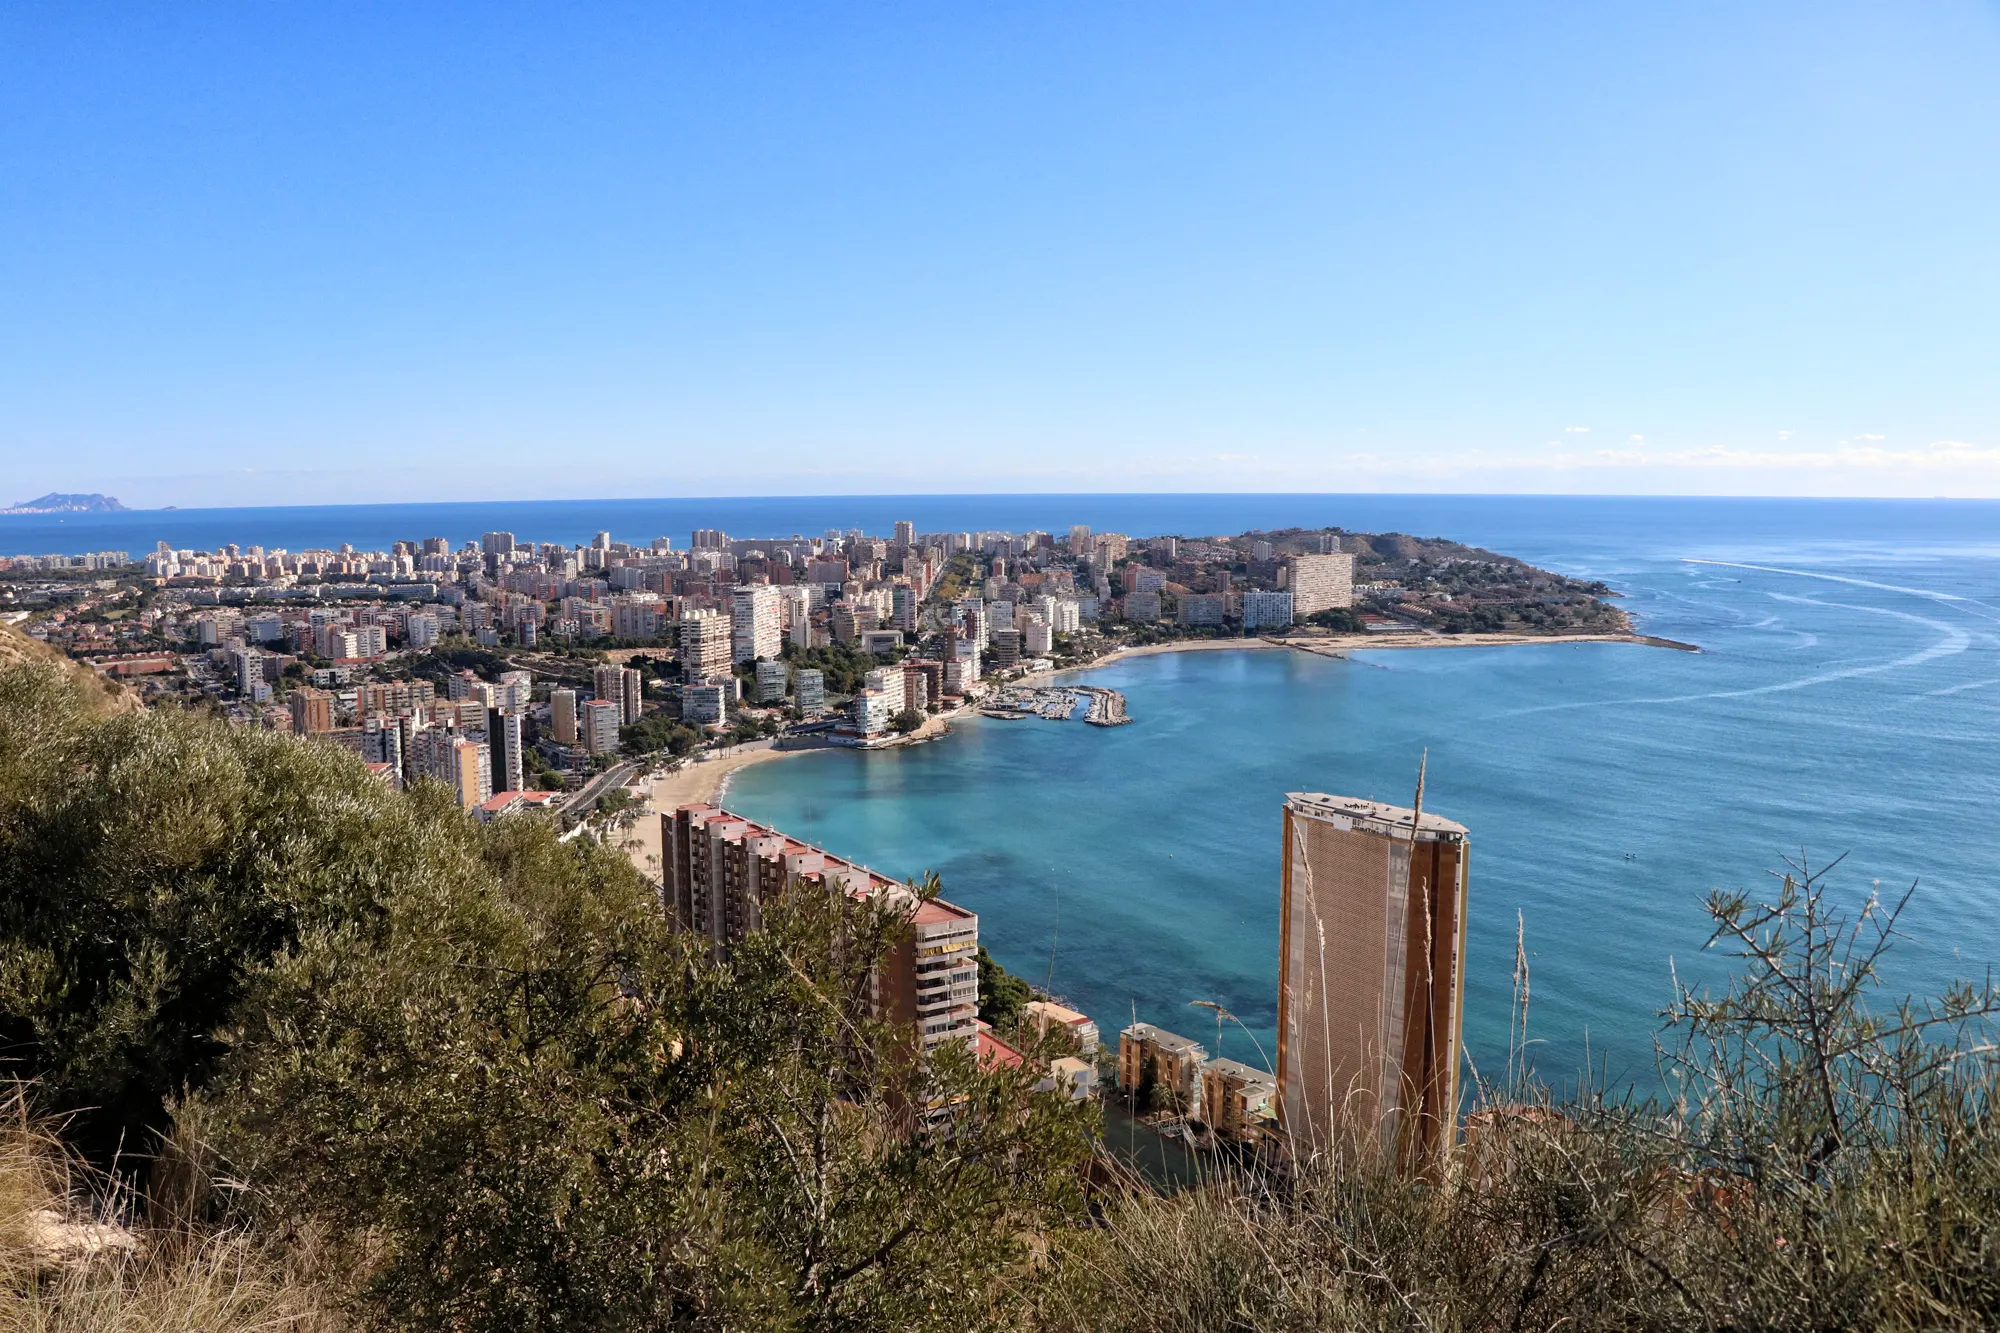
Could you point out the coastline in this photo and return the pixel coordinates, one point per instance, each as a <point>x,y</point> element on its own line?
<point>701,782</point>
<point>707,781</point>
<point>1340,645</point>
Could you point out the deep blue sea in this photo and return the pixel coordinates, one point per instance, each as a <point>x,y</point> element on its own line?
<point>1847,702</point>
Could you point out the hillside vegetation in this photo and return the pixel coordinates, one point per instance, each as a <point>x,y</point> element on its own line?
<point>323,1055</point>
<point>98,691</point>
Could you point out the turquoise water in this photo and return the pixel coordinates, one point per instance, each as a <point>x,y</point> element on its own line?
<point>1846,703</point>
<point>1850,705</point>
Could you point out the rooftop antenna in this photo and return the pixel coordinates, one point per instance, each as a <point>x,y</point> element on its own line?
<point>1417,816</point>
<point>1423,889</point>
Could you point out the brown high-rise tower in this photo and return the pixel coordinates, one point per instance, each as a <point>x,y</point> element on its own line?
<point>1370,979</point>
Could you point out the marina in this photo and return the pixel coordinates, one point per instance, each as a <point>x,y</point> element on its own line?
<point>1057,703</point>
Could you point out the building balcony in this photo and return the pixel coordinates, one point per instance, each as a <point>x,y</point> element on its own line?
<point>955,998</point>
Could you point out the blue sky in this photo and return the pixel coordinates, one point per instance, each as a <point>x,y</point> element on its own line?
<point>291,253</point>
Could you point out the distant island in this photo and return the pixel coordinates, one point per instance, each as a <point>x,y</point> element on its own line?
<point>56,502</point>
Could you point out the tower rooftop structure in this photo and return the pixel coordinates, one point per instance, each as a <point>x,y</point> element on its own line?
<point>1370,979</point>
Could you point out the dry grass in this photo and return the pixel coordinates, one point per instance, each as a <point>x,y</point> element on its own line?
<point>1816,1164</point>
<point>70,1263</point>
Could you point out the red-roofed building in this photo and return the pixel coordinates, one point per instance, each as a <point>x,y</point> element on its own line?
<point>993,1052</point>
<point>513,803</point>
<point>720,869</point>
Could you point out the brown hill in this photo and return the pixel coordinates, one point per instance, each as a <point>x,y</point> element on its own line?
<point>18,649</point>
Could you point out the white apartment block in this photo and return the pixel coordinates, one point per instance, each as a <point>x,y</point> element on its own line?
<point>758,629</point>
<point>1266,610</point>
<point>702,705</point>
<point>601,720</point>
<point>772,677</point>
<point>705,644</point>
<point>809,690</point>
<point>871,712</point>
<point>888,682</point>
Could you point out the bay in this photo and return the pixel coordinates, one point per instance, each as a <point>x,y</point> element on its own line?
<point>1844,705</point>
<point>1846,702</point>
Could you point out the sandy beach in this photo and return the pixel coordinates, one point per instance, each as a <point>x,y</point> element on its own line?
<point>694,784</point>
<point>701,781</point>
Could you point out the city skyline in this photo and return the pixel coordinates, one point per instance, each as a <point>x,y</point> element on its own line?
<point>291,256</point>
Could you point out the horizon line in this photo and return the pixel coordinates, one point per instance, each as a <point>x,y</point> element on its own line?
<point>1008,495</point>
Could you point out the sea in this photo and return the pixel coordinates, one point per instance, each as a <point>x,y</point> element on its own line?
<point>1842,718</point>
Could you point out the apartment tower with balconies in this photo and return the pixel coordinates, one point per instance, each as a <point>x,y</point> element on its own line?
<point>720,869</point>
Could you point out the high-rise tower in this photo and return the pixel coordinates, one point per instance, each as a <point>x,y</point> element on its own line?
<point>1370,979</point>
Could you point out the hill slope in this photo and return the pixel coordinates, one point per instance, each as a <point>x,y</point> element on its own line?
<point>107,694</point>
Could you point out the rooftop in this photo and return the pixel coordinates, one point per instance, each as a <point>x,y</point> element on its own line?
<point>935,912</point>
<point>1055,1013</point>
<point>1236,1069</point>
<point>1374,816</point>
<point>993,1051</point>
<point>1171,1041</point>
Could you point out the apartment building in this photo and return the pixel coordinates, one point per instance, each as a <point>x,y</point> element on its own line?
<point>312,711</point>
<point>888,681</point>
<point>720,869</point>
<point>633,619</point>
<point>1319,583</point>
<point>562,716</point>
<point>705,644</point>
<point>757,629</point>
<point>1166,1061</point>
<point>1266,610</point>
<point>773,678</point>
<point>703,705</point>
<point>1370,978</point>
<point>631,693</point>
<point>809,690</point>
<point>394,698</point>
<point>1047,1014</point>
<point>506,744</point>
<point>462,764</point>
<point>1237,1100</point>
<point>1202,608</point>
<point>601,720</point>
<point>619,685</point>
<point>871,711</point>
<point>350,643</point>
